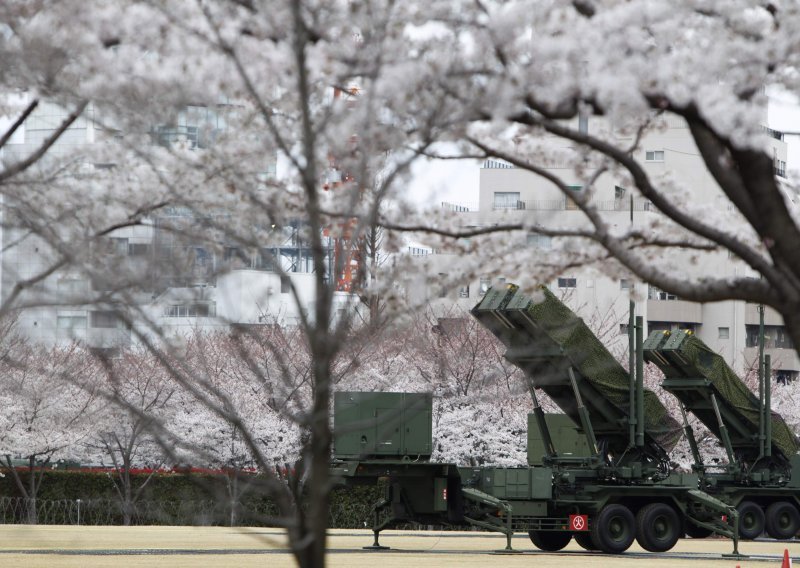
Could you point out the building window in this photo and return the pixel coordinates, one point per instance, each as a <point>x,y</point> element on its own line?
<point>106,319</point>
<point>138,249</point>
<point>775,337</point>
<point>485,284</point>
<point>724,332</point>
<point>442,287</point>
<point>236,257</point>
<point>654,156</point>
<point>199,310</point>
<point>623,329</point>
<point>73,287</point>
<point>540,241</point>
<point>624,284</point>
<point>570,204</point>
<point>567,282</point>
<point>119,246</point>
<point>583,124</point>
<point>286,285</point>
<point>71,322</point>
<point>463,291</point>
<point>654,293</point>
<point>619,192</point>
<point>507,200</point>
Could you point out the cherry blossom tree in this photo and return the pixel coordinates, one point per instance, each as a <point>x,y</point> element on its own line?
<point>319,85</point>
<point>335,91</point>
<point>528,77</point>
<point>46,415</point>
<point>127,433</point>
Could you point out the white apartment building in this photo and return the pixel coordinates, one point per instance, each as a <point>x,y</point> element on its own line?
<point>232,287</point>
<point>508,193</point>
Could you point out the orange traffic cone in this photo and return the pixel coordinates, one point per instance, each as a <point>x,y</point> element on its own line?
<point>787,562</point>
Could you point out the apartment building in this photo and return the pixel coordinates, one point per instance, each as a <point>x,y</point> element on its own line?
<point>219,287</point>
<point>508,193</point>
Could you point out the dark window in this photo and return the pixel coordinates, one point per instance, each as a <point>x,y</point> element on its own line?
<point>104,319</point>
<point>567,282</point>
<point>775,337</point>
<point>442,287</point>
<point>654,293</point>
<point>236,257</point>
<point>286,285</point>
<point>138,249</point>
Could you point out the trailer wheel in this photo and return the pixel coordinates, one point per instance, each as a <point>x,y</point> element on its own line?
<point>783,520</point>
<point>658,527</point>
<point>550,541</point>
<point>584,540</point>
<point>613,530</point>
<point>751,520</point>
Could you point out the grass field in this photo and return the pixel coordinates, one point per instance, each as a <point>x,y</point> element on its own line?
<point>177,547</point>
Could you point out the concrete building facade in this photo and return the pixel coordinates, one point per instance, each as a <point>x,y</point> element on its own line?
<point>219,289</point>
<point>508,193</point>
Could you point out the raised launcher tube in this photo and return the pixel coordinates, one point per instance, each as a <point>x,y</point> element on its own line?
<point>545,339</point>
<point>698,377</point>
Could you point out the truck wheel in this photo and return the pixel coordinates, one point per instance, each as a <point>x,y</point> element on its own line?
<point>658,527</point>
<point>584,540</point>
<point>751,520</point>
<point>550,541</point>
<point>613,530</point>
<point>693,531</point>
<point>783,520</point>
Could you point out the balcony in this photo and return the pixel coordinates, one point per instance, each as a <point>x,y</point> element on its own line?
<point>679,311</point>
<point>776,134</point>
<point>781,359</point>
<point>565,204</point>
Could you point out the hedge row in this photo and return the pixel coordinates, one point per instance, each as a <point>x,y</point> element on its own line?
<point>172,498</point>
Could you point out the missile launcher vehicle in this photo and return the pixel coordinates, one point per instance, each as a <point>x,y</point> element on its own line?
<point>599,473</point>
<point>762,476</point>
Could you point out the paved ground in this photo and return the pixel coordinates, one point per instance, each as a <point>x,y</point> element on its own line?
<point>178,547</point>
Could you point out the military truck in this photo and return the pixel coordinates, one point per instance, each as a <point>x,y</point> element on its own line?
<point>621,480</point>
<point>599,473</point>
<point>762,476</point>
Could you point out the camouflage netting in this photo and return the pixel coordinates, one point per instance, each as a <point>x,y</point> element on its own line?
<point>599,367</point>
<point>594,362</point>
<point>731,388</point>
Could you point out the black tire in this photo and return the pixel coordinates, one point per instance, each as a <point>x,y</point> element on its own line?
<point>584,540</point>
<point>693,531</point>
<point>782,520</point>
<point>751,520</point>
<point>658,527</point>
<point>614,529</point>
<point>550,541</point>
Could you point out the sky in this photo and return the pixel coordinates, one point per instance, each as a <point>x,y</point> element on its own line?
<point>454,181</point>
<point>783,113</point>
